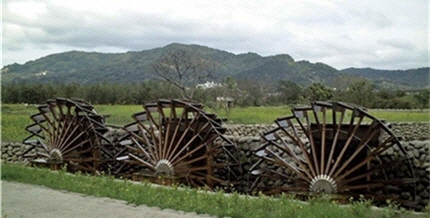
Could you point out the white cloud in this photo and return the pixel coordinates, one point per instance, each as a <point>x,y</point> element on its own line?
<point>382,34</point>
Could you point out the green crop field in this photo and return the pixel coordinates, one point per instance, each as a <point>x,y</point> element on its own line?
<point>15,117</point>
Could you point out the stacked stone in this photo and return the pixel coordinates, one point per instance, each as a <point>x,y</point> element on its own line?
<point>12,152</point>
<point>420,153</point>
<point>255,130</point>
<point>407,130</point>
<point>246,147</point>
<point>115,167</point>
<point>412,131</point>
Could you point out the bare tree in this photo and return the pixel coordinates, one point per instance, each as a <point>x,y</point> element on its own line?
<point>183,69</point>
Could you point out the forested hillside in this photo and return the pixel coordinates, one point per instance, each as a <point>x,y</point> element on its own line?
<point>394,79</point>
<point>91,68</point>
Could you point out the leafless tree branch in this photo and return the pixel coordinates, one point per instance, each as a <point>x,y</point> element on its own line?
<point>183,69</point>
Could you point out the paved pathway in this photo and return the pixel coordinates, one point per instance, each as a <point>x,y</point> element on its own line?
<point>23,200</point>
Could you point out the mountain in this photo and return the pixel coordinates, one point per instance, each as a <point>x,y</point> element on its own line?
<point>394,79</point>
<point>92,67</point>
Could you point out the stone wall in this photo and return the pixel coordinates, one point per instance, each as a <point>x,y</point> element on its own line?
<point>408,131</point>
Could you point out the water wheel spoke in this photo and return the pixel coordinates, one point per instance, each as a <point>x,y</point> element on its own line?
<point>189,162</point>
<point>140,160</point>
<point>167,133</point>
<point>304,183</point>
<point>229,154</point>
<point>77,152</point>
<point>107,152</point>
<point>191,169</point>
<point>308,132</point>
<point>280,161</point>
<point>215,179</point>
<point>370,134</point>
<point>374,170</point>
<point>386,144</point>
<point>133,149</point>
<point>372,155</point>
<point>63,140</point>
<point>186,146</point>
<point>143,151</point>
<point>172,146</point>
<point>196,181</point>
<point>70,143</point>
<point>188,154</point>
<point>351,133</point>
<point>297,141</point>
<point>285,148</point>
<point>60,124</point>
<point>364,186</point>
<point>174,154</point>
<point>142,137</point>
<point>42,154</point>
<point>337,129</point>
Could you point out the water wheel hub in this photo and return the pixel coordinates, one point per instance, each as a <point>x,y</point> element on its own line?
<point>56,156</point>
<point>323,184</point>
<point>164,167</point>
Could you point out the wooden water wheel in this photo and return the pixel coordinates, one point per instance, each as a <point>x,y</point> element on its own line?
<point>175,141</point>
<point>66,133</point>
<point>336,149</point>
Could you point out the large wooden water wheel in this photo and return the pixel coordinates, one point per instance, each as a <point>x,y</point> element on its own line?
<point>66,133</point>
<point>175,141</point>
<point>336,149</point>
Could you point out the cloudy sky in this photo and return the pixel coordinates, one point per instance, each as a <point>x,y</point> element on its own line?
<point>383,34</point>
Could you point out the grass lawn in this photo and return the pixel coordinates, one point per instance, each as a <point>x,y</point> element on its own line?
<point>194,200</point>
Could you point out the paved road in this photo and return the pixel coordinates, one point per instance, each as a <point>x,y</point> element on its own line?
<point>23,200</point>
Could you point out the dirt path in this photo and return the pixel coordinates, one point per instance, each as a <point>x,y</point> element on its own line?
<point>23,200</point>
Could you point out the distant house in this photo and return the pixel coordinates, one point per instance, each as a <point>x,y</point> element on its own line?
<point>225,102</point>
<point>208,85</point>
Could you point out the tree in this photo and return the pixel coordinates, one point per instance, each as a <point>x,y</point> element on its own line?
<point>229,91</point>
<point>318,92</point>
<point>290,92</point>
<point>423,98</point>
<point>361,93</point>
<point>183,69</point>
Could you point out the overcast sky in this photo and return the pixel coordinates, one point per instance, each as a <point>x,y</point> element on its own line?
<point>383,34</point>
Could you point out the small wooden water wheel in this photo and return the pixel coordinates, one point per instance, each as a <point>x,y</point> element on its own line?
<point>66,133</point>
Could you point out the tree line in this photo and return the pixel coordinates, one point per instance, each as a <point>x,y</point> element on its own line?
<point>179,73</point>
<point>243,93</point>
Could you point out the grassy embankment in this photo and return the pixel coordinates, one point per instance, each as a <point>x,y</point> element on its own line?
<point>16,117</point>
<point>193,200</point>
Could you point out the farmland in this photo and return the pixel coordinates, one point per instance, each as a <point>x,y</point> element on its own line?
<point>15,117</point>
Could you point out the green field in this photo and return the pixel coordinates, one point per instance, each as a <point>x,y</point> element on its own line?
<point>15,117</point>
